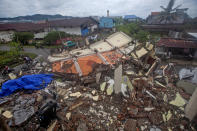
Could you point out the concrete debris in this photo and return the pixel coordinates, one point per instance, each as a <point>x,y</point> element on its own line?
<point>93,92</point>
<point>191,108</point>
<point>117,79</point>
<point>22,115</point>
<point>76,105</point>
<point>150,94</point>
<point>187,86</point>
<point>95,98</point>
<point>178,101</point>
<point>110,88</point>
<point>149,109</point>
<point>130,125</point>
<point>12,76</point>
<point>155,129</point>
<point>113,84</point>
<point>7,114</point>
<point>102,86</point>
<point>98,76</point>
<point>166,117</point>
<point>82,127</point>
<point>165,98</point>
<point>51,128</point>
<point>76,94</point>
<point>124,90</point>
<point>68,115</point>
<point>159,84</point>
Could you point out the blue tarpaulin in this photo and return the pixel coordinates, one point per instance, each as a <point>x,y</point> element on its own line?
<point>27,82</point>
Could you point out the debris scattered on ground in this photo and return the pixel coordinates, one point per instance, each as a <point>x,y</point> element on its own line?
<point>132,90</point>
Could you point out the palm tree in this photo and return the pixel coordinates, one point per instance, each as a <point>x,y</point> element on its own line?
<point>170,14</point>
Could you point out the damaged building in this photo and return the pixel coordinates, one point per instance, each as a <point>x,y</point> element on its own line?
<point>74,26</point>
<point>112,84</point>
<point>176,48</point>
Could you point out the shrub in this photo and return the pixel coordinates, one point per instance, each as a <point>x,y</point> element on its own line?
<point>23,37</point>
<point>53,36</point>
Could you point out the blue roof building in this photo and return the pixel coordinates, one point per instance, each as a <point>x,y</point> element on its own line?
<point>131,18</point>
<point>106,22</point>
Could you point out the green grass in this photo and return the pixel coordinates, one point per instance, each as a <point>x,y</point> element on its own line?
<point>45,46</point>
<point>12,60</point>
<point>33,46</point>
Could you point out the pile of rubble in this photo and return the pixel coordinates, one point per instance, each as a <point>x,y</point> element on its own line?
<point>133,91</point>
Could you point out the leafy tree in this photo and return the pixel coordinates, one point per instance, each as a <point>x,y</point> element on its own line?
<point>142,36</point>
<point>130,28</point>
<point>53,36</point>
<point>134,30</point>
<point>15,49</point>
<point>23,37</point>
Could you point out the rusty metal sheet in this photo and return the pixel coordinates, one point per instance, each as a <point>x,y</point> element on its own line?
<point>87,63</point>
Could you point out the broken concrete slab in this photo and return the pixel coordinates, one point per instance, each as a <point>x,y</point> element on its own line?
<point>102,86</point>
<point>191,107</point>
<point>7,114</point>
<point>117,79</point>
<point>178,101</point>
<point>95,98</point>
<point>124,90</point>
<point>126,81</point>
<point>110,88</point>
<point>12,76</point>
<point>22,115</point>
<point>187,86</point>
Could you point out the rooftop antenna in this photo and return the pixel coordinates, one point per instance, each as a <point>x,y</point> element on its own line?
<point>107,13</point>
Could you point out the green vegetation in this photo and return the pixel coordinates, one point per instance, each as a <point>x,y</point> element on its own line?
<point>118,21</point>
<point>23,37</point>
<point>53,36</point>
<point>13,57</point>
<point>134,30</point>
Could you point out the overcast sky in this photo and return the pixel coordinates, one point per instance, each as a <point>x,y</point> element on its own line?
<point>141,8</point>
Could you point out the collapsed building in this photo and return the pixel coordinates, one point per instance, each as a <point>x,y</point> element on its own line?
<point>113,84</point>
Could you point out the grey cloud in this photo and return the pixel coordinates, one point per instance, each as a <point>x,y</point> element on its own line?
<point>142,8</point>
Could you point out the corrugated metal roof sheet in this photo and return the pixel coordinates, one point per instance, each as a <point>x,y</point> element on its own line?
<point>193,34</point>
<point>167,42</point>
<point>88,59</point>
<point>27,26</point>
<point>87,63</point>
<point>118,39</point>
<point>130,17</point>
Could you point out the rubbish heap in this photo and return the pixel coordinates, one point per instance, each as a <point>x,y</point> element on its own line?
<point>114,84</point>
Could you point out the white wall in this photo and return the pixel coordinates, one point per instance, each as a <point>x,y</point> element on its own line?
<point>40,35</point>
<point>93,28</point>
<point>69,30</point>
<point>7,36</point>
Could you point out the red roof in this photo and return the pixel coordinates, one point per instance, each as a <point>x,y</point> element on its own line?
<point>168,42</point>
<point>27,26</point>
<point>22,26</point>
<point>155,13</point>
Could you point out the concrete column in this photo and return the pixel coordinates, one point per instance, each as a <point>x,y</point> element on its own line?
<point>118,79</point>
<point>191,108</point>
